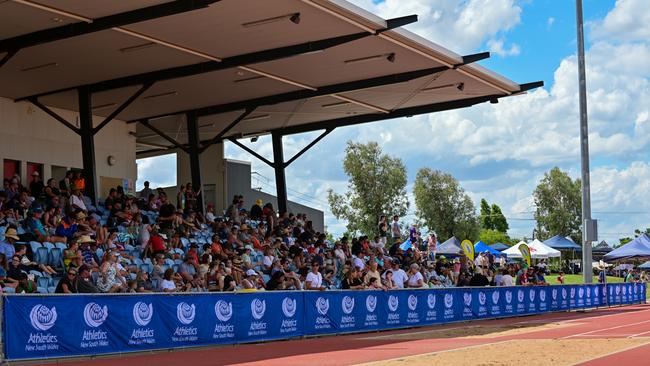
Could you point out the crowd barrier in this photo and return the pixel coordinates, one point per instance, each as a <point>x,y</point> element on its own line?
<point>73,325</point>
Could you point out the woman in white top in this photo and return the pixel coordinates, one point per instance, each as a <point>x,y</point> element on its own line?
<point>314,280</point>
<point>416,280</point>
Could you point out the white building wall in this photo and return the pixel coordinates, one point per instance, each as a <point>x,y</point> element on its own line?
<point>28,134</point>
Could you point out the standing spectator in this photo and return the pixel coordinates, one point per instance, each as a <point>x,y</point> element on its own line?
<point>382,228</point>
<point>191,198</point>
<point>65,184</point>
<point>145,192</point>
<point>36,185</point>
<point>395,229</point>
<point>256,210</point>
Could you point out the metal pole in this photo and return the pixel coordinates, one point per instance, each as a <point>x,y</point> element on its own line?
<point>584,150</point>
<point>87,143</point>
<point>195,158</point>
<point>280,178</point>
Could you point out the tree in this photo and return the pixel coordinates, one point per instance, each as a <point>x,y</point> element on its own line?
<point>443,205</point>
<point>499,222</point>
<point>376,186</point>
<point>558,202</point>
<point>637,233</point>
<point>486,215</point>
<point>490,237</point>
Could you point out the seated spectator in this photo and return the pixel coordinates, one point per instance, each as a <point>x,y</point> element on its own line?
<point>314,279</point>
<point>110,279</point>
<point>353,280</point>
<point>84,281</point>
<point>415,278</point>
<point>31,265</point>
<point>67,285</point>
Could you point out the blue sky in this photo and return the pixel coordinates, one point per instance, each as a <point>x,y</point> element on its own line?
<point>500,152</point>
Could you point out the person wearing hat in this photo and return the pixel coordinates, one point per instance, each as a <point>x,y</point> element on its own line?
<point>36,185</point>
<point>77,200</point>
<point>36,227</point>
<point>7,246</point>
<point>256,210</point>
<point>83,282</point>
<point>249,282</point>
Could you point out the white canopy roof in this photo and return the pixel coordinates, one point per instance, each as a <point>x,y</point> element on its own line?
<point>538,250</point>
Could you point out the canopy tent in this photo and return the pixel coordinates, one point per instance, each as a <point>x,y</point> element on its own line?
<point>561,243</point>
<point>482,247</point>
<point>499,246</point>
<point>538,250</point>
<point>624,267</point>
<point>637,248</point>
<point>602,247</point>
<point>645,265</point>
<point>450,247</point>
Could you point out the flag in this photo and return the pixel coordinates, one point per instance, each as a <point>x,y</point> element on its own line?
<point>468,249</point>
<point>525,253</point>
<point>406,245</point>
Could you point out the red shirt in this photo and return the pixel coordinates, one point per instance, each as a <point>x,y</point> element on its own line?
<point>157,243</point>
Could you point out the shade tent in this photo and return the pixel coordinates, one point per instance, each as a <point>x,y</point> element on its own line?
<point>561,243</point>
<point>538,250</point>
<point>480,247</point>
<point>450,247</point>
<point>499,246</point>
<point>637,248</point>
<point>602,247</point>
<point>645,265</point>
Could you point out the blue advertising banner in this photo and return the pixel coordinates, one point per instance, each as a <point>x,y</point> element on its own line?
<point>54,326</point>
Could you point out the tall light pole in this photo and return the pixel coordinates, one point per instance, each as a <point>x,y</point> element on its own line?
<point>588,226</point>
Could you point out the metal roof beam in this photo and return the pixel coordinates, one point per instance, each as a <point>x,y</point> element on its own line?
<point>54,115</point>
<point>122,107</point>
<point>165,136</point>
<point>373,117</point>
<point>322,91</point>
<point>309,146</point>
<point>210,66</point>
<point>103,23</point>
<point>252,152</point>
<point>217,138</point>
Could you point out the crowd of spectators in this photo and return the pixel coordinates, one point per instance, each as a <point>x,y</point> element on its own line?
<point>56,240</point>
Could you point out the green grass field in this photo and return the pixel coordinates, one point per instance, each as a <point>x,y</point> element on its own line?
<point>571,279</point>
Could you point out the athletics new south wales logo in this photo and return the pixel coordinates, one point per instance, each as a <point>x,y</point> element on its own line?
<point>371,303</point>
<point>185,313</point>
<point>393,303</point>
<point>223,310</point>
<point>412,302</point>
<point>322,305</point>
<point>508,297</point>
<point>95,315</point>
<point>42,318</point>
<point>495,297</point>
<point>431,301</point>
<point>467,299</point>
<point>347,304</point>
<point>449,301</point>
<point>258,308</point>
<point>482,298</point>
<point>142,313</point>
<point>289,307</point>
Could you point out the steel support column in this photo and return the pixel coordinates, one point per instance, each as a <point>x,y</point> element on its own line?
<point>194,152</point>
<point>87,143</point>
<point>280,178</point>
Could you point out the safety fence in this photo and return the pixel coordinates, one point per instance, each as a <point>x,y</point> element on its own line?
<point>37,326</point>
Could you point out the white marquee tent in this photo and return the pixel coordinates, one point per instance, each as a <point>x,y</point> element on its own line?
<point>538,250</point>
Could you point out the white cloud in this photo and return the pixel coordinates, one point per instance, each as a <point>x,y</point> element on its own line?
<point>628,21</point>
<point>463,26</point>
<point>550,21</point>
<point>497,46</point>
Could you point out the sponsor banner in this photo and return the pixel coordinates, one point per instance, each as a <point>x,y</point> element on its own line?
<point>55,326</point>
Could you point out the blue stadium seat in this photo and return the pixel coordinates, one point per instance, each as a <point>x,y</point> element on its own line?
<point>169,262</point>
<point>43,282</point>
<point>146,267</point>
<point>48,245</point>
<point>56,258</point>
<point>41,290</point>
<point>42,255</point>
<point>54,281</point>
<point>62,246</point>
<point>35,245</point>
<point>176,267</point>
<point>51,289</point>
<point>9,290</point>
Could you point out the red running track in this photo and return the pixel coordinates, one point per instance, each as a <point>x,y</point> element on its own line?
<point>621,322</point>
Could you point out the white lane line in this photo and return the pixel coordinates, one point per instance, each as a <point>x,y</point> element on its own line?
<point>432,353</point>
<point>638,334</point>
<point>605,329</point>
<point>610,353</point>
